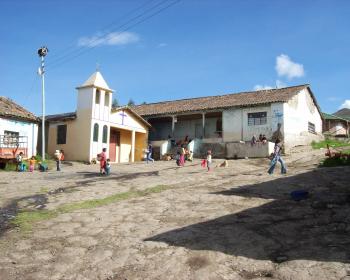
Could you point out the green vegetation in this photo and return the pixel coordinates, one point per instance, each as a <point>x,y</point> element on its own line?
<point>331,142</point>
<point>332,162</point>
<point>25,219</point>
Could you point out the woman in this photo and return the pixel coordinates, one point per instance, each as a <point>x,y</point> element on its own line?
<point>102,157</point>
<point>182,156</point>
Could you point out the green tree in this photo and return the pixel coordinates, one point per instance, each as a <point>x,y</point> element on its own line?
<point>131,102</point>
<point>115,102</point>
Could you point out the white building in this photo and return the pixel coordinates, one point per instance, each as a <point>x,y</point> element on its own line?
<point>96,125</point>
<point>218,122</point>
<point>18,130</point>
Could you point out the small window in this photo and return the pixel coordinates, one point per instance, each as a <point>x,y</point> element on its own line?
<point>107,99</point>
<point>98,96</point>
<point>61,134</point>
<point>105,134</point>
<point>95,137</point>
<point>11,137</point>
<point>259,118</point>
<point>311,128</point>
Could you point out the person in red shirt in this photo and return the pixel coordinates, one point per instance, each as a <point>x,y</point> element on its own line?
<point>103,158</point>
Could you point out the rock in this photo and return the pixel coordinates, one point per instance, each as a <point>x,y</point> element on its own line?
<point>281,259</point>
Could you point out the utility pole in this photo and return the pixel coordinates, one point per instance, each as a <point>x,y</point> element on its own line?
<point>42,52</point>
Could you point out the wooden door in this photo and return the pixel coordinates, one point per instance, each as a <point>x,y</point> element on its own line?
<point>114,144</point>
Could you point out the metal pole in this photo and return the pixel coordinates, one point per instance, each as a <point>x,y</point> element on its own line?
<point>43,107</point>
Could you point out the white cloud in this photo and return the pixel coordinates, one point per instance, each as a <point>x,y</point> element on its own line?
<point>346,104</point>
<point>262,87</point>
<point>280,84</point>
<point>333,99</point>
<point>162,45</point>
<point>111,39</point>
<point>286,67</point>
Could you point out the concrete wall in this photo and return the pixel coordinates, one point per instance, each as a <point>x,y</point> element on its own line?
<point>192,128</point>
<point>242,150</point>
<point>236,128</point>
<point>27,129</point>
<point>297,113</point>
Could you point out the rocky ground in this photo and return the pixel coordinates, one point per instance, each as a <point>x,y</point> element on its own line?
<point>158,221</point>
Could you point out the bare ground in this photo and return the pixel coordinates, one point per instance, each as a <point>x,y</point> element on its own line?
<point>231,223</point>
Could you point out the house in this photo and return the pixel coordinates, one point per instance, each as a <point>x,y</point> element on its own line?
<point>18,130</point>
<point>219,121</point>
<point>335,126</point>
<point>96,125</point>
<point>343,113</point>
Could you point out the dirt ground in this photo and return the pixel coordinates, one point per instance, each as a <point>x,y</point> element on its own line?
<point>232,223</point>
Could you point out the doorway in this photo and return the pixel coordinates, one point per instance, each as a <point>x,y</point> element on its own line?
<point>114,146</point>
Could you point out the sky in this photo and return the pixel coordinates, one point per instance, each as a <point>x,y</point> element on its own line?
<point>193,48</point>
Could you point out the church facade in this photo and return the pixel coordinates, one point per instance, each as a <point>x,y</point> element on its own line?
<point>96,125</point>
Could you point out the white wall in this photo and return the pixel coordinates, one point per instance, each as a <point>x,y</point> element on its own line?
<point>24,129</point>
<point>297,113</point>
<point>235,123</point>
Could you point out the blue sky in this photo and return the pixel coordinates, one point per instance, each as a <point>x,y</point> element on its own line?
<point>194,48</point>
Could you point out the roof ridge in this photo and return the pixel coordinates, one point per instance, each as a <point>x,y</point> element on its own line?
<point>220,95</point>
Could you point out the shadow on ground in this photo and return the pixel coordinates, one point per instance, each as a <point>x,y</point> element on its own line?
<point>281,229</point>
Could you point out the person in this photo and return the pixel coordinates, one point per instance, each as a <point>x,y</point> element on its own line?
<point>190,156</point>
<point>264,139</point>
<point>177,158</point>
<point>58,160</point>
<point>102,157</point>
<point>182,156</point>
<point>149,153</point>
<point>32,164</point>
<point>276,156</point>
<point>260,138</point>
<point>108,167</point>
<point>253,141</point>
<point>19,162</point>
<point>209,160</point>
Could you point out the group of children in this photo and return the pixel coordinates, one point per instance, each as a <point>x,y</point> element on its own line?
<point>21,166</point>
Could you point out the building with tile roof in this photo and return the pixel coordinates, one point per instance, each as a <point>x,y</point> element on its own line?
<point>18,130</point>
<point>291,112</point>
<point>335,126</point>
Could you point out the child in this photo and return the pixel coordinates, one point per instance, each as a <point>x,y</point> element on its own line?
<point>32,164</point>
<point>276,156</point>
<point>19,160</point>
<point>209,160</point>
<point>58,159</point>
<point>177,158</point>
<point>102,158</point>
<point>108,167</point>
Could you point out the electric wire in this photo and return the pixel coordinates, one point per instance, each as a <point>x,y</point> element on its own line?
<point>81,51</point>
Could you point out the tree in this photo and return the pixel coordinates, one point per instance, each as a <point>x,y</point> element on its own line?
<point>131,102</point>
<point>115,103</point>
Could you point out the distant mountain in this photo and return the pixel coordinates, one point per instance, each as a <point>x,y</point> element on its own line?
<point>343,113</point>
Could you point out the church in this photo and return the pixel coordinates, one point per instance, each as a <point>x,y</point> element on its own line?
<point>96,125</point>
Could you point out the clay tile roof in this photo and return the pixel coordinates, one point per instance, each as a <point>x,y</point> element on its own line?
<point>10,109</point>
<point>61,117</point>
<point>220,101</point>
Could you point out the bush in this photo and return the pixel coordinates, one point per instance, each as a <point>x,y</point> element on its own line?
<point>331,142</point>
<point>332,162</point>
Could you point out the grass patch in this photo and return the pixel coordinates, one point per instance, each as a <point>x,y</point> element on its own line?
<point>25,219</point>
<point>332,162</point>
<point>331,142</point>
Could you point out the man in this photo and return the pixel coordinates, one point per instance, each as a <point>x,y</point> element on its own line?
<point>276,156</point>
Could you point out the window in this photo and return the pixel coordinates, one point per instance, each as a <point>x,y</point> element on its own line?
<point>107,99</point>
<point>311,128</point>
<point>105,134</point>
<point>98,96</point>
<point>61,134</point>
<point>95,138</point>
<point>258,118</point>
<point>11,137</point>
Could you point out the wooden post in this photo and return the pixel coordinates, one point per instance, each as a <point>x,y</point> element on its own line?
<point>203,124</point>
<point>133,146</point>
<point>173,125</point>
